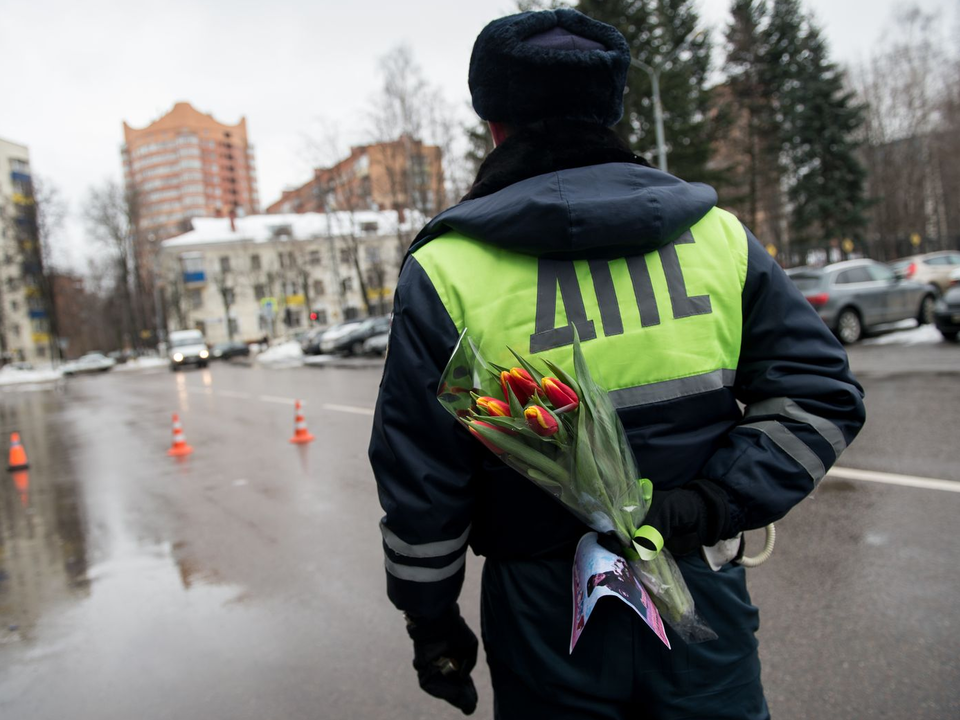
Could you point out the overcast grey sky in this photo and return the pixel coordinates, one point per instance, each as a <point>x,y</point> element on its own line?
<point>76,70</point>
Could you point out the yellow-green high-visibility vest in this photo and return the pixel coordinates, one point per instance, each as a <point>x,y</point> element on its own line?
<point>653,327</point>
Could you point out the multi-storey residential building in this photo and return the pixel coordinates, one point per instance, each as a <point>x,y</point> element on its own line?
<point>24,319</point>
<point>187,165</point>
<point>272,275</point>
<point>404,173</point>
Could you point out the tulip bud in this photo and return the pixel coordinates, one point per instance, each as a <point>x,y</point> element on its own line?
<point>492,406</point>
<point>541,421</point>
<point>520,381</point>
<point>489,445</point>
<point>561,396</point>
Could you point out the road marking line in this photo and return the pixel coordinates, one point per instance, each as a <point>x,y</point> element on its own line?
<point>235,394</point>
<point>348,409</point>
<point>894,479</point>
<point>275,399</point>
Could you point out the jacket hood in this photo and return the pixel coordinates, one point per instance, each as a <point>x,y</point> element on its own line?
<point>607,210</point>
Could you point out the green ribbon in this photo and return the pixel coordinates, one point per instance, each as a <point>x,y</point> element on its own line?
<point>646,489</point>
<point>652,536</point>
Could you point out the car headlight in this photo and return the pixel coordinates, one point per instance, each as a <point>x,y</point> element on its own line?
<point>178,357</point>
<point>204,354</point>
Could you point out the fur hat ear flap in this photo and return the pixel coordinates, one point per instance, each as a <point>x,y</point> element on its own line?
<point>553,64</point>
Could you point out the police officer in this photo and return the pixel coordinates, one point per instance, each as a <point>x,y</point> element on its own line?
<point>681,314</point>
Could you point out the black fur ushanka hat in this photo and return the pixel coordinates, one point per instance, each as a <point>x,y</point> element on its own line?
<point>553,64</point>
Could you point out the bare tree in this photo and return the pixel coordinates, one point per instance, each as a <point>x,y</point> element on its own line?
<point>406,113</point>
<point>50,210</point>
<point>907,88</point>
<point>111,218</point>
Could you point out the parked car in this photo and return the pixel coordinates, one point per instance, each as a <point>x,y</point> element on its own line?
<point>350,342</point>
<point>227,350</point>
<point>947,310</point>
<point>854,296</point>
<point>326,337</point>
<point>376,345</point>
<point>90,363</point>
<point>310,344</point>
<point>930,268</point>
<point>187,347</point>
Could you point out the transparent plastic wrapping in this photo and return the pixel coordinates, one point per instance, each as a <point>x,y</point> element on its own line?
<point>561,431</point>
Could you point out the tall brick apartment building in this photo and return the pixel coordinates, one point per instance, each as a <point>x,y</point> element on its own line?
<point>185,165</point>
<point>398,175</point>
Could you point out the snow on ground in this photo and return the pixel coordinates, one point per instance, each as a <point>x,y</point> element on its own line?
<point>10,376</point>
<point>284,355</point>
<point>911,334</point>
<point>142,363</point>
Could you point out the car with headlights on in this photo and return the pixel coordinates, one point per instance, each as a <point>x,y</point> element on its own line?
<point>187,347</point>
<point>854,296</point>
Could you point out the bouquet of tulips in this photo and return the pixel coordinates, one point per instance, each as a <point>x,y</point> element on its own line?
<point>561,431</point>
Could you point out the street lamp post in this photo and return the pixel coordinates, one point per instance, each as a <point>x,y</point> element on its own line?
<point>654,73</point>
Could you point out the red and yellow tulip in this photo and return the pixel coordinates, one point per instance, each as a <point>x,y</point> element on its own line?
<point>561,396</point>
<point>520,382</point>
<point>490,446</point>
<point>493,406</point>
<point>541,421</point>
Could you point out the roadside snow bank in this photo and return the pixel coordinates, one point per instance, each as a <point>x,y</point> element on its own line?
<point>12,376</point>
<point>142,363</point>
<point>923,335</point>
<point>284,355</point>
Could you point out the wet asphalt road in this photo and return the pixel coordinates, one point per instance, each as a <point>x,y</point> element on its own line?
<point>247,580</point>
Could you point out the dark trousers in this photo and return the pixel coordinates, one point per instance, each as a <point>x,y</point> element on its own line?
<point>619,669</point>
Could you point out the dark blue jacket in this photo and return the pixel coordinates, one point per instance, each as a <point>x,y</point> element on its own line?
<point>442,491</point>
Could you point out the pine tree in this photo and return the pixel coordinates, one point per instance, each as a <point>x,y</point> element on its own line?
<point>826,187</point>
<point>663,33</point>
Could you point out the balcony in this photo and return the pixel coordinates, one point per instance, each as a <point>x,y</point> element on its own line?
<point>194,277</point>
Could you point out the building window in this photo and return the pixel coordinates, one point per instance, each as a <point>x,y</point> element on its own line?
<point>14,306</point>
<point>229,297</point>
<point>196,298</point>
<point>345,256</point>
<point>315,257</point>
<point>259,291</point>
<point>346,285</point>
<point>373,255</point>
<point>254,262</point>
<point>318,288</point>
<point>369,228</point>
<point>351,313</point>
<point>234,326</point>
<point>224,263</point>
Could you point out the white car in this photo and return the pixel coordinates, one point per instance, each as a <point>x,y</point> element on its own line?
<point>89,363</point>
<point>187,347</point>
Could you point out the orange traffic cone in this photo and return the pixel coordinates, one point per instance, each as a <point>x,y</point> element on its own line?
<point>18,456</point>
<point>300,433</point>
<point>179,447</point>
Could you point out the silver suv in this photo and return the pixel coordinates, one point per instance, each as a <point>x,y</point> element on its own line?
<point>856,295</point>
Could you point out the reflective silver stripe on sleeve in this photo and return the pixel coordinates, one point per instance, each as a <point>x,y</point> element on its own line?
<point>789,409</point>
<point>792,446</point>
<point>422,574</point>
<point>672,389</point>
<point>424,550</point>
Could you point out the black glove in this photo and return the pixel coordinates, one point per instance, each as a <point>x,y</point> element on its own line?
<point>444,653</point>
<point>690,516</point>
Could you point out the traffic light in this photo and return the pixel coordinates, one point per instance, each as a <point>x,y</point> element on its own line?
<point>313,316</point>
